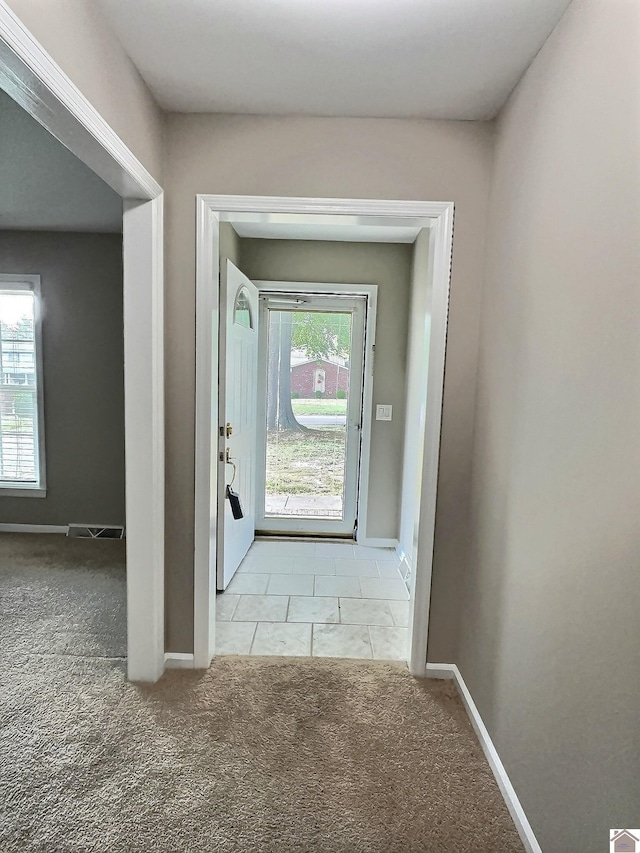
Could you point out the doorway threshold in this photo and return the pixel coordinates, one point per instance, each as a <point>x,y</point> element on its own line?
<point>266,535</point>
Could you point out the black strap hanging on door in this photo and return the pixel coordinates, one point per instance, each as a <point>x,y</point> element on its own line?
<point>234,497</point>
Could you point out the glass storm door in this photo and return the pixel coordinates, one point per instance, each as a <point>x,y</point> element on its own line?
<point>310,409</point>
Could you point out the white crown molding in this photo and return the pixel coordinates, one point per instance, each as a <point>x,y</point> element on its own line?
<point>37,83</point>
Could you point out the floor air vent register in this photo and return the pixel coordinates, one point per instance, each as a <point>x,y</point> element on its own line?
<point>95,531</point>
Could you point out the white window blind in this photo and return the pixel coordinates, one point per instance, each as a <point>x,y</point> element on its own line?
<point>20,384</point>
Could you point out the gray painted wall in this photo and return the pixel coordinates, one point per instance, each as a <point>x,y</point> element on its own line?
<point>389,266</point>
<point>339,158</point>
<point>550,640</point>
<point>44,186</point>
<point>82,337</point>
<point>229,245</point>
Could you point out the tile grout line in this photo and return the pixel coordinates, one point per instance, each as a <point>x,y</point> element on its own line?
<point>240,596</point>
<point>370,642</point>
<point>382,573</point>
<point>253,637</point>
<point>233,612</point>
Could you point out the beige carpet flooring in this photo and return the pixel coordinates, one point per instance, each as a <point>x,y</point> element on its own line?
<point>256,754</point>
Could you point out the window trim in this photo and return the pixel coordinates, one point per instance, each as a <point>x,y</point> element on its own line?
<point>10,488</point>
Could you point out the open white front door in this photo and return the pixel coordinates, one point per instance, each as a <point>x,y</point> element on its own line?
<point>237,428</point>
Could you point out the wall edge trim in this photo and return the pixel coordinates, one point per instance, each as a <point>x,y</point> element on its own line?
<point>525,831</point>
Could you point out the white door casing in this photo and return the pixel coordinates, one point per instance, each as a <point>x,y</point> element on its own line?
<point>211,209</point>
<point>238,363</point>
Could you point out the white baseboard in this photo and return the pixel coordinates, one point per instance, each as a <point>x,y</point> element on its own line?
<point>178,660</point>
<point>370,542</point>
<point>440,670</point>
<point>34,528</point>
<point>451,671</point>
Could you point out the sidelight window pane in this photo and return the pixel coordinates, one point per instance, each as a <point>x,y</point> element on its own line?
<point>20,463</point>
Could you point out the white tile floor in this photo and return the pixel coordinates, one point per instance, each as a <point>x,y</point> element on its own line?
<point>320,599</point>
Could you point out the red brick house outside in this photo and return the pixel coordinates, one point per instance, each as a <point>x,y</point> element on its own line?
<point>323,376</point>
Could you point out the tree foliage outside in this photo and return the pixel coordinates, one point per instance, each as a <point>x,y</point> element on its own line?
<point>22,330</point>
<point>319,336</point>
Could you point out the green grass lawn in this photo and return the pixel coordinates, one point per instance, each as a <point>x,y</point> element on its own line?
<point>319,407</point>
<point>309,462</point>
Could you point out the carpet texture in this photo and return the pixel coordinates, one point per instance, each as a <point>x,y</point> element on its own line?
<point>255,754</point>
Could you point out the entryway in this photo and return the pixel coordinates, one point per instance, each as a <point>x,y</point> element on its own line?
<point>395,508</point>
<point>316,599</point>
<point>294,408</point>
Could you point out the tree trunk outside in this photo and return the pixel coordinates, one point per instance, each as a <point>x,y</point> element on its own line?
<point>280,414</point>
<point>272,370</point>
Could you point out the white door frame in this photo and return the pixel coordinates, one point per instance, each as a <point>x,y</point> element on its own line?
<point>370,292</point>
<point>438,216</point>
<point>37,83</point>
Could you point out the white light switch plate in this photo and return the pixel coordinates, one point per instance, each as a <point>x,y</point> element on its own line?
<point>384,412</point>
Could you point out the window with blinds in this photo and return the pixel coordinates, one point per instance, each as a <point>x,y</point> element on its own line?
<point>21,457</point>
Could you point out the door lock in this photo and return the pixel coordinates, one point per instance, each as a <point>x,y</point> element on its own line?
<point>229,430</point>
<point>225,456</point>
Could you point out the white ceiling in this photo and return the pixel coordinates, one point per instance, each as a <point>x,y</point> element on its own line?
<point>338,228</point>
<point>454,59</point>
<point>43,186</point>
<point>329,233</point>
